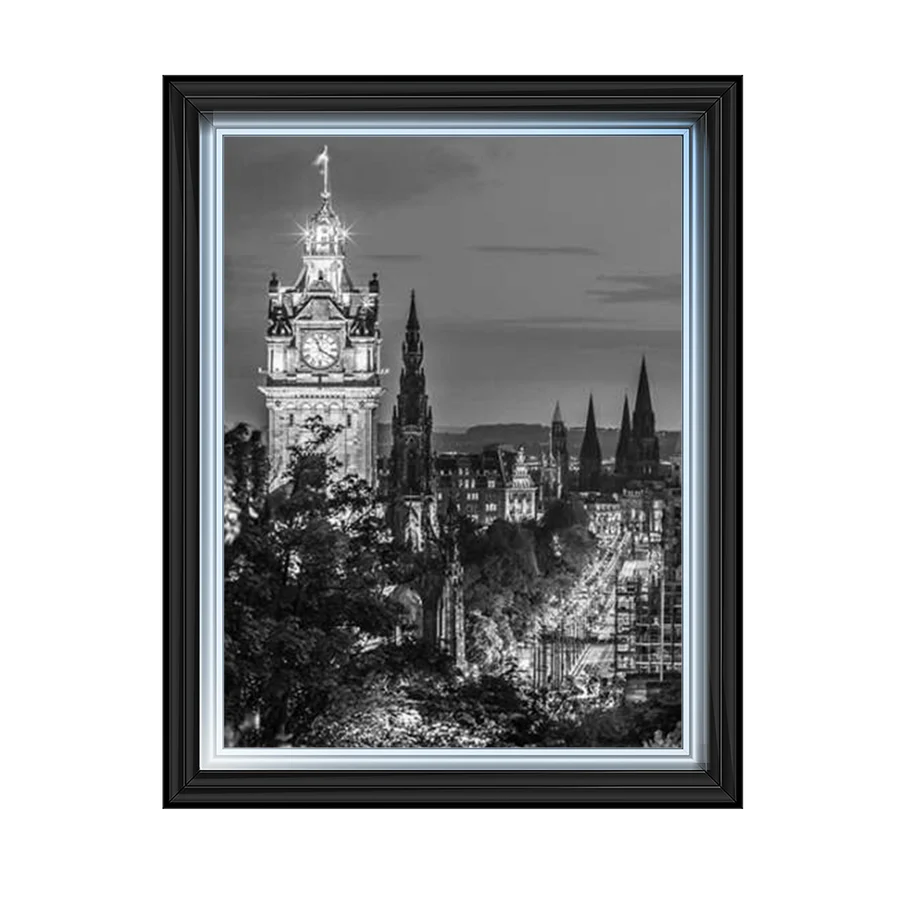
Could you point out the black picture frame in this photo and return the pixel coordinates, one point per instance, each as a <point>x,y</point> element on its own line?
<point>716,101</point>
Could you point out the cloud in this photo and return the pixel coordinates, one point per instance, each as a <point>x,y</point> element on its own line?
<point>566,324</point>
<point>536,251</point>
<point>392,257</point>
<point>637,289</point>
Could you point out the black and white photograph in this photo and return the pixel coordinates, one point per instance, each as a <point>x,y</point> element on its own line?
<point>452,371</point>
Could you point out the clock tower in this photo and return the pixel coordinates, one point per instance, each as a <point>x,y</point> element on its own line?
<point>323,348</point>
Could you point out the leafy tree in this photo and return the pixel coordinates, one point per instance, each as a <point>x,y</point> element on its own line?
<point>306,598</point>
<point>619,722</point>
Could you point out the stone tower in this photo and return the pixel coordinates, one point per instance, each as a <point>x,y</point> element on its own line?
<point>590,459</point>
<point>559,451</point>
<point>413,509</point>
<point>323,351</point>
<point>644,456</point>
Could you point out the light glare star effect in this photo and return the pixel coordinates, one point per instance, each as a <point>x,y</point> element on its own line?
<point>305,234</point>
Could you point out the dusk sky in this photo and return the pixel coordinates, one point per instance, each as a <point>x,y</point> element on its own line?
<point>544,266</point>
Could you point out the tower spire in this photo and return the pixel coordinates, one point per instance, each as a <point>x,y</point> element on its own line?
<point>413,348</point>
<point>643,424</point>
<point>412,464</point>
<point>624,440</point>
<point>643,404</point>
<point>590,457</point>
<point>644,452</point>
<point>559,453</point>
<point>412,322</point>
<point>591,444</point>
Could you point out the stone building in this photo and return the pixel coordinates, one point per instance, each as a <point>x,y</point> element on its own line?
<point>323,352</point>
<point>493,484</point>
<point>604,516</point>
<point>647,622</point>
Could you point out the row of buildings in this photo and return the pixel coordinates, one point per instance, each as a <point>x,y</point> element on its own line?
<point>499,482</point>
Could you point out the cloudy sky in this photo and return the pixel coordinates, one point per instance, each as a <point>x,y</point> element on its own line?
<point>543,266</point>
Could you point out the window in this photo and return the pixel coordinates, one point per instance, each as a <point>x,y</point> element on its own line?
<point>349,419</point>
<point>291,419</point>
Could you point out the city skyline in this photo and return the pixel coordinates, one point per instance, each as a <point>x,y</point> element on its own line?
<point>525,279</point>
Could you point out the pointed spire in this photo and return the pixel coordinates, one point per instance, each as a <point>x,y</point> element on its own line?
<point>412,323</point>
<point>642,403</point>
<point>557,414</point>
<point>591,423</point>
<point>643,422</point>
<point>590,446</point>
<point>625,427</point>
<point>624,439</point>
<point>413,348</point>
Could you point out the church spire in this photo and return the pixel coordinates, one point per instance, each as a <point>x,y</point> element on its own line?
<point>557,414</point>
<point>624,440</point>
<point>644,453</point>
<point>643,422</point>
<point>590,445</point>
<point>590,457</point>
<point>643,405</point>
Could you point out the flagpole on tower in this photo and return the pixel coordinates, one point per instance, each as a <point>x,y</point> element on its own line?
<point>322,162</point>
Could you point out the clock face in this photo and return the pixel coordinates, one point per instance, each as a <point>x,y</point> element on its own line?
<point>320,350</point>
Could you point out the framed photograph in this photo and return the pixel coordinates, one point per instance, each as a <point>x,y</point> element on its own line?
<point>452,442</point>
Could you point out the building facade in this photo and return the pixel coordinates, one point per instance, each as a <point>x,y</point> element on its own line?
<point>496,483</point>
<point>323,349</point>
<point>647,622</point>
<point>604,516</point>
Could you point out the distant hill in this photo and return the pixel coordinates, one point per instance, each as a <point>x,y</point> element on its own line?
<point>533,437</point>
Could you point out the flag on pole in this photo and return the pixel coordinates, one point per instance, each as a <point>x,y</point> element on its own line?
<point>322,162</point>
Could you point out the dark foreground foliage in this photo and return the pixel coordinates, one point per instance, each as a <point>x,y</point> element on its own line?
<point>318,653</point>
